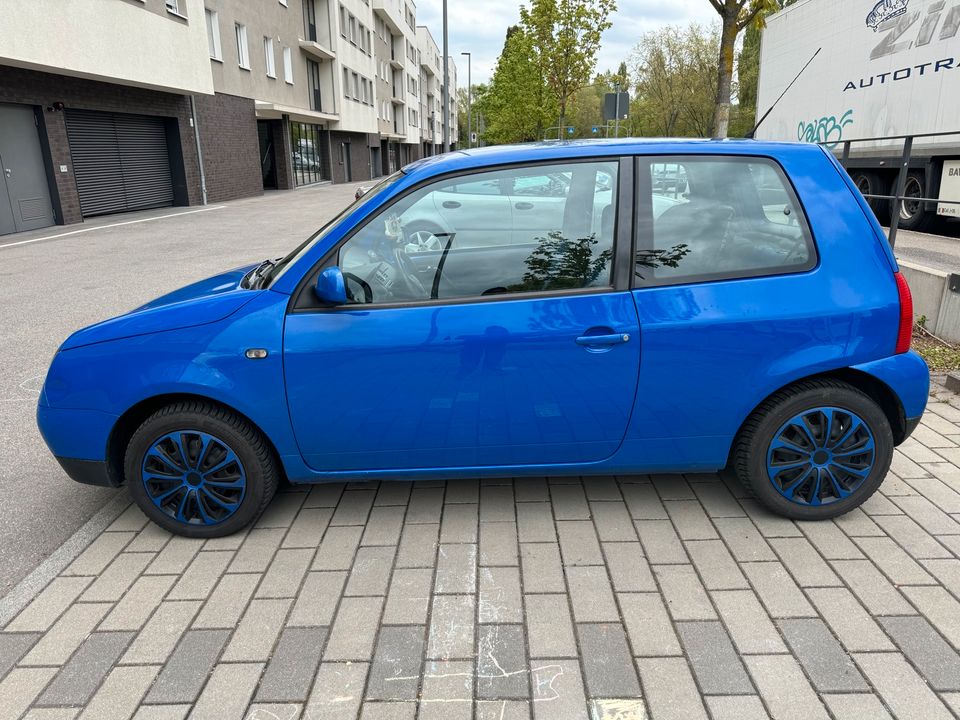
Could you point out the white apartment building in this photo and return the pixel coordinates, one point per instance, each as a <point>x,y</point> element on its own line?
<point>117,105</point>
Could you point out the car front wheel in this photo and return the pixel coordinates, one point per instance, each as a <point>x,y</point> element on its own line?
<point>199,470</point>
<point>815,450</point>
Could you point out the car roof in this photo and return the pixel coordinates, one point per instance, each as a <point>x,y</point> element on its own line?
<point>577,149</point>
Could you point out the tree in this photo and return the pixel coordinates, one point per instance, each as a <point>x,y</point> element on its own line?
<point>513,104</point>
<point>675,74</point>
<point>748,77</point>
<point>735,16</point>
<point>565,37</point>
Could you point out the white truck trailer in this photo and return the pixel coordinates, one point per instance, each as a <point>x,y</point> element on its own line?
<point>886,70</point>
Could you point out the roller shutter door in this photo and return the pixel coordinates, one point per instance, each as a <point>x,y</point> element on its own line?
<point>120,161</point>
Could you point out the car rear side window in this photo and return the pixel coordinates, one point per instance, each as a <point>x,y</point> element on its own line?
<point>715,218</point>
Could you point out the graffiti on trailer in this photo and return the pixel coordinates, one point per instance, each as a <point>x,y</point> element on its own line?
<point>827,130</point>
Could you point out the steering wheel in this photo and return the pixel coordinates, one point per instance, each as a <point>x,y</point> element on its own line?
<point>409,273</point>
<point>364,285</point>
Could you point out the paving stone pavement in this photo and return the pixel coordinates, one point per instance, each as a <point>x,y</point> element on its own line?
<point>628,598</point>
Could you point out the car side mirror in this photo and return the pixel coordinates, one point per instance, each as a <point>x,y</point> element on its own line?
<point>331,289</point>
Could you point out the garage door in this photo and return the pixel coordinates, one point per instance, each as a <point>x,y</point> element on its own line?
<point>120,161</point>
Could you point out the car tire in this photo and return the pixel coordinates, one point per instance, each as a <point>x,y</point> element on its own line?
<point>871,183</point>
<point>818,429</point>
<point>199,470</point>
<point>913,215</point>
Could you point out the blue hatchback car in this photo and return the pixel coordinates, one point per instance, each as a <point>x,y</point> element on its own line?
<point>595,308</point>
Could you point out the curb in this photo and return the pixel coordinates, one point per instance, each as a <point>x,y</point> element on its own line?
<point>28,588</point>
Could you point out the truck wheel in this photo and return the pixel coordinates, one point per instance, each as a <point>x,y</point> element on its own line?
<point>871,183</point>
<point>200,471</point>
<point>913,215</point>
<point>815,450</point>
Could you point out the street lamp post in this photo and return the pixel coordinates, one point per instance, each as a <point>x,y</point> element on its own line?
<point>446,83</point>
<point>469,101</point>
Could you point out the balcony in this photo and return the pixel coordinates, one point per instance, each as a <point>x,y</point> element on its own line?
<point>316,50</point>
<point>392,13</point>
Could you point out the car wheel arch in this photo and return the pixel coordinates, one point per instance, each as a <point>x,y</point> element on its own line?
<point>873,387</point>
<point>135,415</point>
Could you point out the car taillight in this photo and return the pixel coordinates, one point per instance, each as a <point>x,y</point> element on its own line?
<point>905,332</point>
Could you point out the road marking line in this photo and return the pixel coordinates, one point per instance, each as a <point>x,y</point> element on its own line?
<point>112,225</point>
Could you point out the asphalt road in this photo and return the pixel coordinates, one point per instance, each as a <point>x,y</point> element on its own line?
<point>939,250</point>
<point>92,272</point>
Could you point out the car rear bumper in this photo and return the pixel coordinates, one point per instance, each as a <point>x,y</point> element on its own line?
<point>910,425</point>
<point>908,376</point>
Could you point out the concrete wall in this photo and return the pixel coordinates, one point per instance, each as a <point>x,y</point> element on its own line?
<point>271,19</point>
<point>933,298</point>
<point>121,41</point>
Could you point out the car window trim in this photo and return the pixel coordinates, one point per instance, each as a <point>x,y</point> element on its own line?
<point>643,237</point>
<point>300,299</point>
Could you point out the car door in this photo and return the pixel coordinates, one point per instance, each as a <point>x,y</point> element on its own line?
<point>534,362</point>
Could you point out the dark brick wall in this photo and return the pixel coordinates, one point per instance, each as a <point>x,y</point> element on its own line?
<point>359,155</point>
<point>43,89</point>
<point>231,149</point>
<point>283,152</point>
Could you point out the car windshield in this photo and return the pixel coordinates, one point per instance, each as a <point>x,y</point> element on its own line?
<point>277,270</point>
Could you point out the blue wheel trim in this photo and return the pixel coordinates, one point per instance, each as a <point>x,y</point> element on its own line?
<point>193,477</point>
<point>821,456</point>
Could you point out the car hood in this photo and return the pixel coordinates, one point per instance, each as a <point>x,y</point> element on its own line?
<point>199,303</point>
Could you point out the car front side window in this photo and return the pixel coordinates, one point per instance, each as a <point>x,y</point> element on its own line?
<point>454,238</point>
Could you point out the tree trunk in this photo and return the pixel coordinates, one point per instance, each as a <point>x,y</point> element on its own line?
<point>728,43</point>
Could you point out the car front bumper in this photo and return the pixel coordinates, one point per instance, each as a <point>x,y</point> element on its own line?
<point>88,472</point>
<point>78,439</point>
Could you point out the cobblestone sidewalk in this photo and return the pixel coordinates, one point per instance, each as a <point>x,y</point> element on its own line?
<point>618,598</point>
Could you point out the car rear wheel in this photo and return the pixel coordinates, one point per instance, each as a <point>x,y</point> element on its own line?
<point>815,450</point>
<point>199,470</point>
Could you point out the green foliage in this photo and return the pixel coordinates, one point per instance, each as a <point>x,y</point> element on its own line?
<point>515,105</point>
<point>546,61</point>
<point>675,74</point>
<point>566,37</point>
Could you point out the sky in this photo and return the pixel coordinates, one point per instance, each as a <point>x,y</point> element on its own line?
<point>479,27</point>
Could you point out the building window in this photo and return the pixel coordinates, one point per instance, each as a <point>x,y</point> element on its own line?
<point>213,34</point>
<point>283,2</point>
<point>268,56</point>
<point>309,153</point>
<point>243,54</point>
<point>313,79</point>
<point>310,20</point>
<point>346,83</point>
<point>356,86</point>
<point>287,66</point>
<point>173,6</point>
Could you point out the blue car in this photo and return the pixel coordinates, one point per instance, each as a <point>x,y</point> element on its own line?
<point>536,310</point>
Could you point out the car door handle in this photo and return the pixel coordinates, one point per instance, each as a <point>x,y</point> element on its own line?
<point>451,204</point>
<point>524,206</point>
<point>603,340</point>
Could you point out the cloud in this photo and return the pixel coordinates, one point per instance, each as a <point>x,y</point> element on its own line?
<point>480,27</point>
